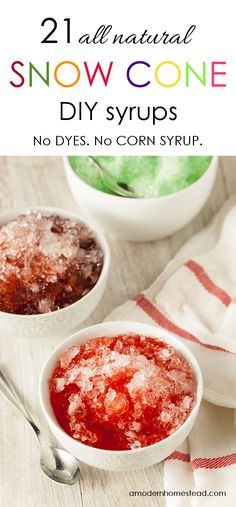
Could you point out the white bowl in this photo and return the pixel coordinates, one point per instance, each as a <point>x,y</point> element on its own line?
<point>118,460</point>
<point>141,219</point>
<point>65,321</point>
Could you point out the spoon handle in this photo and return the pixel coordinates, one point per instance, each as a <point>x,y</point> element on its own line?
<point>110,181</point>
<point>9,393</point>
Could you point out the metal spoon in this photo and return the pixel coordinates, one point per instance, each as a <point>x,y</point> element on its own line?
<point>117,187</point>
<point>58,464</point>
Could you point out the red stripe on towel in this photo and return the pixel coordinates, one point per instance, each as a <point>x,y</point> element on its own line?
<point>207,283</point>
<point>211,463</point>
<point>155,314</point>
<point>180,456</point>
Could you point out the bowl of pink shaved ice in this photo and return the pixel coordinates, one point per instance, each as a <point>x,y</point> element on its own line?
<point>54,266</point>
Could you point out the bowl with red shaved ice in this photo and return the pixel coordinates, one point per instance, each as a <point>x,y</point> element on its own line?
<point>54,266</point>
<point>121,395</point>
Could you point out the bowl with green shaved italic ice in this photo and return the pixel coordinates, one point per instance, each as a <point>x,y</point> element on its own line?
<point>169,192</point>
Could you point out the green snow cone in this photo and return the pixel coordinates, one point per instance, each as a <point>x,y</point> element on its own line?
<point>148,176</point>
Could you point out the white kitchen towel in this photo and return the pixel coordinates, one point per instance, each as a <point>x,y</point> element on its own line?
<point>195,299</point>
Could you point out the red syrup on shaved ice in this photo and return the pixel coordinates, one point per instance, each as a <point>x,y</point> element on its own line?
<point>122,392</point>
<point>46,263</point>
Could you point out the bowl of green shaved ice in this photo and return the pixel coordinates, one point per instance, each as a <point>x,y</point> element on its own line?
<point>169,192</point>
<point>148,176</point>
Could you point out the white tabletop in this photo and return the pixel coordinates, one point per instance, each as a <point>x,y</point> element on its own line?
<point>31,181</point>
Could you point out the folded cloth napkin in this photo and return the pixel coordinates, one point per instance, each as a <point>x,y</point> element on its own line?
<point>195,299</point>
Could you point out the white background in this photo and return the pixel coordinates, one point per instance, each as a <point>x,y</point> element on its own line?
<point>204,111</point>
